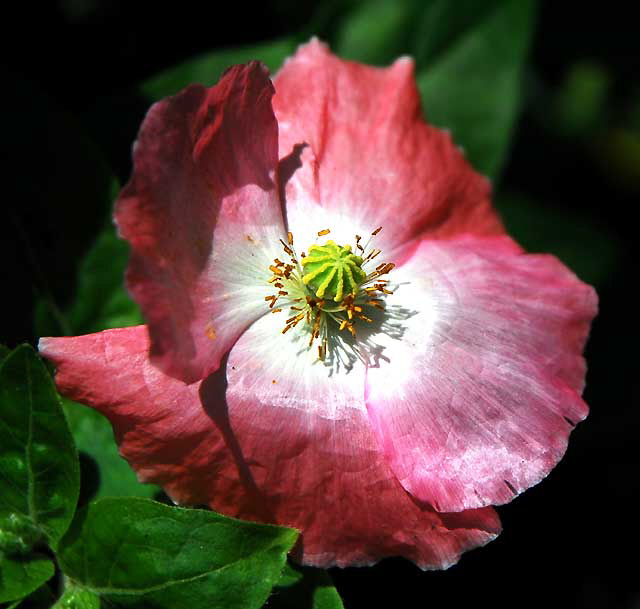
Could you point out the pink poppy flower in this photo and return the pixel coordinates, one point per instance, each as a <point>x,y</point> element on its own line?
<point>378,389</point>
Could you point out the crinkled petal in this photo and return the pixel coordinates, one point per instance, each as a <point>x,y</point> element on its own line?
<point>202,215</point>
<point>303,433</point>
<point>369,155</point>
<point>290,452</point>
<point>487,375</point>
<point>158,421</point>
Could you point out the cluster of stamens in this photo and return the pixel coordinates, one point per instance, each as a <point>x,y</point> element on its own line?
<point>328,288</point>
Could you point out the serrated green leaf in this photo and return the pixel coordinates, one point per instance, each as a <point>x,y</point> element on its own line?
<point>94,436</point>
<point>208,68</point>
<point>135,552</point>
<point>473,86</point>
<point>304,588</point>
<point>39,472</point>
<point>20,577</point>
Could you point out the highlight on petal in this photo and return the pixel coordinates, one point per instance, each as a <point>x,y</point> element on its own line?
<point>457,389</point>
<point>487,375</point>
<point>202,215</point>
<point>283,448</point>
<point>369,155</point>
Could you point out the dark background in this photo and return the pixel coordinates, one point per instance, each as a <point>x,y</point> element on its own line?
<point>570,541</point>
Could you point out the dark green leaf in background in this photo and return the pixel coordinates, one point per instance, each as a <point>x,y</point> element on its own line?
<point>134,552</point>
<point>94,437</point>
<point>101,300</point>
<point>377,32</point>
<point>586,247</point>
<point>4,351</point>
<point>469,54</point>
<point>208,68</point>
<point>473,86</point>
<point>39,473</point>
<point>304,588</point>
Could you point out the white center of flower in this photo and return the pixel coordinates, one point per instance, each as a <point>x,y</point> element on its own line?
<point>328,290</point>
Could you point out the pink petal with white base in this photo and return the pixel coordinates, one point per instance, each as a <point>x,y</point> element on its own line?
<point>487,377</point>
<point>369,157</point>
<point>281,452</point>
<point>302,428</point>
<point>202,215</point>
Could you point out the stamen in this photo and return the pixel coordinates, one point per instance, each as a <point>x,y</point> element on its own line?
<point>331,276</point>
<point>372,254</point>
<point>286,248</point>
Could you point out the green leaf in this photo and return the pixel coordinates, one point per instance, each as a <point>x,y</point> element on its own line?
<point>78,598</point>
<point>102,302</point>
<point>39,598</point>
<point>441,26</point>
<point>304,588</point>
<point>208,68</point>
<point>376,32</point>
<point>101,299</point>
<point>471,84</point>
<point>21,576</point>
<point>94,436</point>
<point>469,61</point>
<point>581,242</point>
<point>138,553</point>
<point>39,472</point>
<point>4,351</point>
